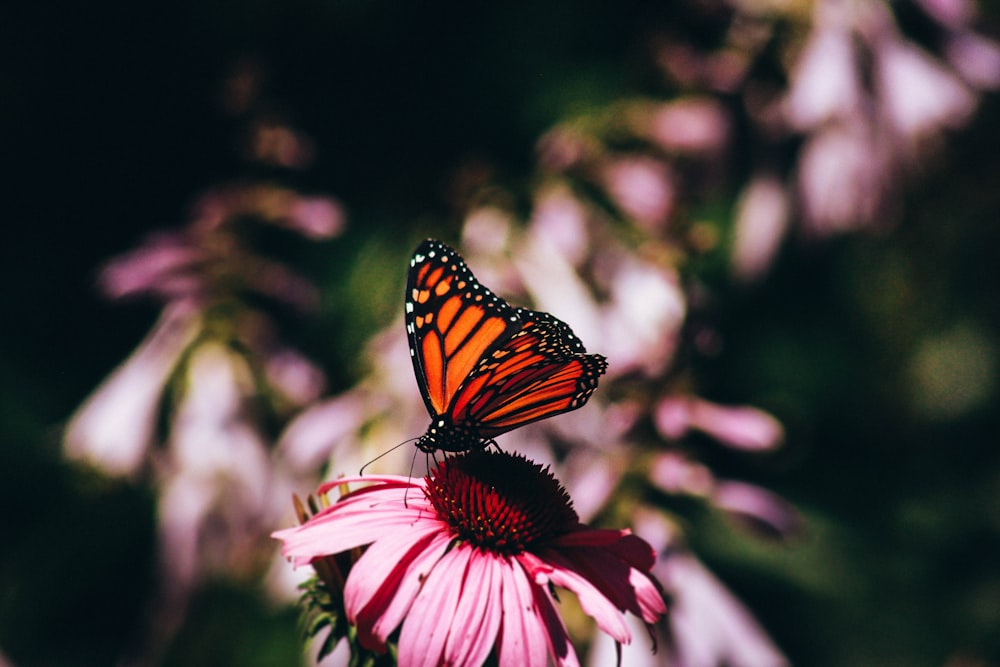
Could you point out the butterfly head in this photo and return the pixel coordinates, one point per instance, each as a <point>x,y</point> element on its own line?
<point>444,436</point>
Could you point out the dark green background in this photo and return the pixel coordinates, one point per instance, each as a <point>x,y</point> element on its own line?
<point>110,128</point>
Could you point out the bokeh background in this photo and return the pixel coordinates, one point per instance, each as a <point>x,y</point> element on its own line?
<point>875,344</point>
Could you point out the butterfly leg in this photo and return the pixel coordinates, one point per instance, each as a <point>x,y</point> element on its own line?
<point>431,457</point>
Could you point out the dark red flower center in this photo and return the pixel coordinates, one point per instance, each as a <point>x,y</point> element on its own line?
<point>500,502</point>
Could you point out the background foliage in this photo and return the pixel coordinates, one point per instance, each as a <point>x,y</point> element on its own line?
<point>111,124</point>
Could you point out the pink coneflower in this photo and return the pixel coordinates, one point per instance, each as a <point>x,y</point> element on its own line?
<point>463,561</point>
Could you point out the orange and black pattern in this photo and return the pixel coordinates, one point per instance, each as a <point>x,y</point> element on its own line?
<point>483,366</point>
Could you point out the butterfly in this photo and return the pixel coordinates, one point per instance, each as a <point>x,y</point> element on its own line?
<point>485,367</point>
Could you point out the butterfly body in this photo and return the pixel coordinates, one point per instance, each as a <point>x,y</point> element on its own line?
<point>483,366</point>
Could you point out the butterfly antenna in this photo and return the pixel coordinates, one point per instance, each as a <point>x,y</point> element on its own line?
<point>388,451</point>
<point>413,462</point>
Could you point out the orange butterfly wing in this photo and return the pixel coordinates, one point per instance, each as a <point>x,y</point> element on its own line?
<point>484,367</point>
<point>541,371</point>
<point>452,322</point>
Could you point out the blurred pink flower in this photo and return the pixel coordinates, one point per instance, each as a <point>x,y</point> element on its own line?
<point>556,286</point>
<point>675,473</point>
<point>751,507</point>
<point>115,426</point>
<point>297,379</point>
<point>317,217</point>
<point>218,490</point>
<point>166,265</point>
<point>211,434</point>
<point>739,427</point>
<point>918,96</point>
<point>951,13</point>
<point>313,435</point>
<point>708,625</point>
<point>221,488</point>
<point>592,469</point>
<point>825,81</point>
<point>464,560</point>
<point>845,174</point>
<point>690,125</point>
<point>563,148</point>
<point>762,218</point>
<point>277,281</point>
<point>757,509</point>
<point>207,260</point>
<point>487,230</point>
<point>723,70</point>
<point>643,319</point>
<point>975,58</point>
<point>642,188</point>
<point>559,221</point>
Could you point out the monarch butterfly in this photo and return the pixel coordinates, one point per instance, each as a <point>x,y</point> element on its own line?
<point>483,366</point>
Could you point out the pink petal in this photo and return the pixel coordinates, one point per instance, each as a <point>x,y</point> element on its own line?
<point>652,605</point>
<point>606,651</point>
<point>600,569</point>
<point>560,647</point>
<point>589,537</point>
<point>395,594</point>
<point>635,551</point>
<point>425,629</point>
<point>404,499</point>
<point>374,480</point>
<point>522,637</point>
<point>391,497</point>
<point>537,569</point>
<point>333,533</point>
<point>477,618</point>
<point>385,561</point>
<point>592,599</point>
<point>626,587</point>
